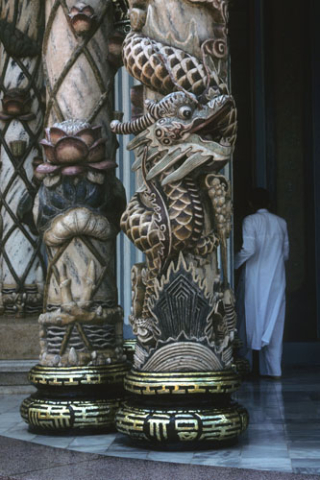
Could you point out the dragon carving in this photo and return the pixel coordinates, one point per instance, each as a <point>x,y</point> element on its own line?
<point>183,140</point>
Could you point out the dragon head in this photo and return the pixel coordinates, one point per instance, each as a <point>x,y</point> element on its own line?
<point>186,135</point>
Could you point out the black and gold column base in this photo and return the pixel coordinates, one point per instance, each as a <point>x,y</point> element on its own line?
<point>175,408</point>
<point>78,400</point>
<point>173,425</point>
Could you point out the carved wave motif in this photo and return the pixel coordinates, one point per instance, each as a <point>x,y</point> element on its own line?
<point>55,336</point>
<point>183,357</point>
<point>99,338</point>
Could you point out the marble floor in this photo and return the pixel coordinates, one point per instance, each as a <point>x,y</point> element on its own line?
<point>283,435</point>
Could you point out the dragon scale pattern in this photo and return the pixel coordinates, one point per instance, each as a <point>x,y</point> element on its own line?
<point>185,213</point>
<point>144,60</point>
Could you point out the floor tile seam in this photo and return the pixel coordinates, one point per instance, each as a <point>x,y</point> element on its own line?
<point>125,455</point>
<point>301,457</point>
<point>23,429</point>
<point>82,449</point>
<point>76,438</point>
<point>244,466</point>
<point>204,453</point>
<point>132,451</point>
<point>171,454</point>
<point>45,444</point>
<point>96,445</point>
<point>33,441</point>
<point>17,437</point>
<point>165,460</point>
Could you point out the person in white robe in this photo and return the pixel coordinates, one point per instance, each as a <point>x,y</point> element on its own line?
<point>264,251</point>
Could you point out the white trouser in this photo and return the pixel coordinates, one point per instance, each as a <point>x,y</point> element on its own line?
<point>270,356</point>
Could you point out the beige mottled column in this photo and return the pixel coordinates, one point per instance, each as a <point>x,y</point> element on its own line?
<point>77,211</point>
<point>21,122</point>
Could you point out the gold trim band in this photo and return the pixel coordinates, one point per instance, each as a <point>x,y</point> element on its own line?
<point>78,376</point>
<point>146,383</point>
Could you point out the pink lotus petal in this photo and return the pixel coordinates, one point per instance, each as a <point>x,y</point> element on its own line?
<point>105,165</point>
<point>49,151</point>
<point>47,168</point>
<point>87,10</point>
<point>70,150</point>
<point>12,107</point>
<point>87,135</point>
<point>72,170</point>
<point>55,134</point>
<point>81,23</point>
<point>4,116</point>
<point>74,11</point>
<point>97,151</point>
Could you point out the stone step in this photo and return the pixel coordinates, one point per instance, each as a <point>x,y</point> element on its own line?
<point>14,376</point>
<point>15,372</point>
<point>19,338</point>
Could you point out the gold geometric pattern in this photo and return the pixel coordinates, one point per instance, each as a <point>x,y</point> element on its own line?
<point>58,415</point>
<point>162,425</point>
<point>146,383</point>
<point>77,376</point>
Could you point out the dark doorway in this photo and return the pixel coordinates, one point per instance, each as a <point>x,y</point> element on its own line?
<point>273,74</point>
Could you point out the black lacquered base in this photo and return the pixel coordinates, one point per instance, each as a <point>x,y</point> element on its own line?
<point>70,416</point>
<point>172,425</point>
<point>74,399</point>
<point>175,408</point>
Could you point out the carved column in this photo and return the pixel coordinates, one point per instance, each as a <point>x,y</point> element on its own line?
<point>183,307</point>
<point>77,211</point>
<point>21,122</point>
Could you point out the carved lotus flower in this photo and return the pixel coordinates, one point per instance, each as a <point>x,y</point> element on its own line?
<point>82,18</point>
<point>72,147</point>
<point>16,103</point>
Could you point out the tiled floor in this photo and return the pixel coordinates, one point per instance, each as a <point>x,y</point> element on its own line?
<point>283,435</point>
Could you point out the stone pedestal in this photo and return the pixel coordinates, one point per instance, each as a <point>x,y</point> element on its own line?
<point>82,400</point>
<point>182,407</point>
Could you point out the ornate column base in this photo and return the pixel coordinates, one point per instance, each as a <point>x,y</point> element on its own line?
<point>174,408</point>
<point>78,400</point>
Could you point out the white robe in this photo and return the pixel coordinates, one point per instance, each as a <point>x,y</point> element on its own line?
<point>265,249</point>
